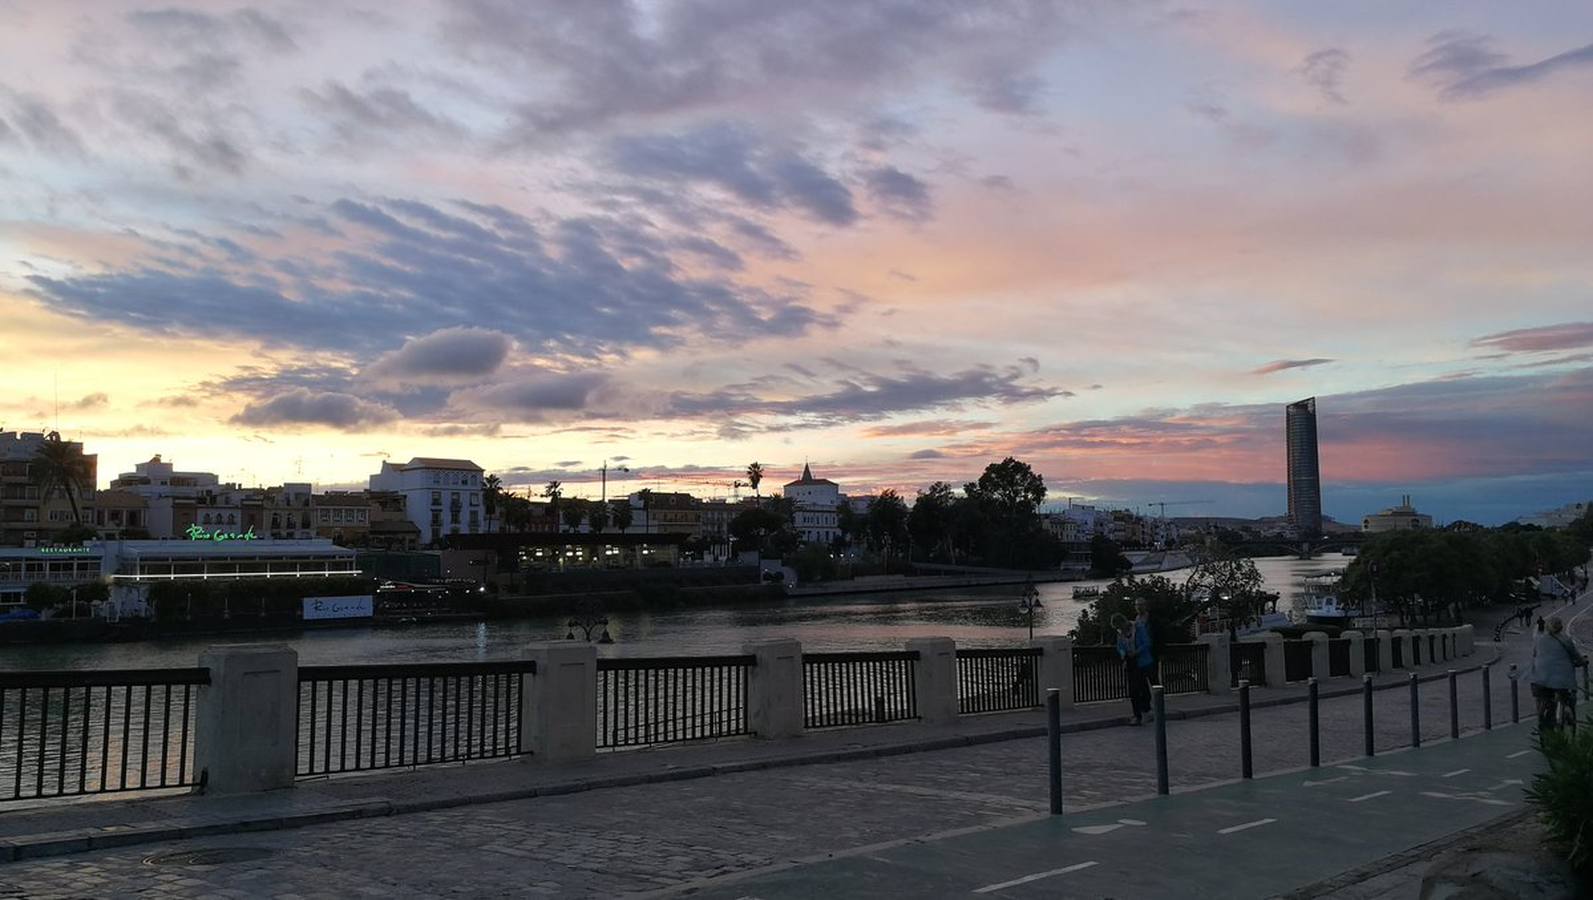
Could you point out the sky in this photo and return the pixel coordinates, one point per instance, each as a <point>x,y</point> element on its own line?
<point>898,239</point>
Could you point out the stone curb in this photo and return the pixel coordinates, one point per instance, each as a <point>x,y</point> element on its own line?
<point>35,846</point>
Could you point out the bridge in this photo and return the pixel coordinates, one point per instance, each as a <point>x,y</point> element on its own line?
<point>1303,548</point>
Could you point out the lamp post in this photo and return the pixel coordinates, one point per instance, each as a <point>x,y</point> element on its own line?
<point>604,470</point>
<point>1029,603</point>
<point>588,624</point>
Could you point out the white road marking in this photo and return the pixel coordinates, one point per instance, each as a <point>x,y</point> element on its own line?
<point>1097,829</point>
<point>1456,772</point>
<point>1353,768</point>
<point>1517,753</point>
<point>1131,821</point>
<point>1035,877</point>
<point>1488,800</point>
<point>1327,781</point>
<point>1368,796</point>
<point>1248,825</point>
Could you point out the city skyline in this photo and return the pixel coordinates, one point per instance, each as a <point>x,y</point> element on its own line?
<point>284,243</point>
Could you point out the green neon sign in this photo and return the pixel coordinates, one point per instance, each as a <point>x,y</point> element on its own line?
<point>61,549</point>
<point>196,533</point>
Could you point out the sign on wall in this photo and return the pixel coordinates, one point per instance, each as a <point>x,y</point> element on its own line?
<point>360,607</point>
<point>196,533</point>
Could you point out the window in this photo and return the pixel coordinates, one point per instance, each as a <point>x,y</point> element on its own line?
<point>436,518</point>
<point>436,478</point>
<point>475,499</point>
<point>453,516</point>
<point>436,498</point>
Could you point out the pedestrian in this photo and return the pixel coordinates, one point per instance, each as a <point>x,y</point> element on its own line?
<point>1540,625</point>
<point>1132,652</point>
<point>1555,660</point>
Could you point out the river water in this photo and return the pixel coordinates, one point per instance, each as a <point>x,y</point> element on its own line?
<point>976,617</point>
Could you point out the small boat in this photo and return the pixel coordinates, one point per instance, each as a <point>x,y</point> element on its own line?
<point>1319,596</point>
<point>1349,551</point>
<point>1086,593</point>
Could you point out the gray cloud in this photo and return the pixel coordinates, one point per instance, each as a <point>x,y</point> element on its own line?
<point>33,118</point>
<point>901,194</point>
<point>445,356</point>
<point>1324,70</point>
<point>187,26</point>
<point>1009,92</point>
<point>735,159</point>
<point>301,406</point>
<point>193,140</point>
<point>1465,65</point>
<point>358,116</point>
<point>1279,365</point>
<point>534,397</point>
<point>926,454</point>
<point>1564,336</point>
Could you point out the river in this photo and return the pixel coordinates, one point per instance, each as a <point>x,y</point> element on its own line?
<point>975,617</point>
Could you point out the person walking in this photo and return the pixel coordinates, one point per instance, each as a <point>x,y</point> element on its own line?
<point>1135,655</point>
<point>1555,660</point>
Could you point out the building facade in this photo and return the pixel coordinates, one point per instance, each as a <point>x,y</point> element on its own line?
<point>1403,517</point>
<point>1305,478</point>
<point>441,496</point>
<point>815,500</point>
<point>29,509</point>
<point>172,498</point>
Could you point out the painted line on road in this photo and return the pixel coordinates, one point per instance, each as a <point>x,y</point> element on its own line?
<point>1488,800</point>
<point>1518,753</point>
<point>1456,772</point>
<point>1246,826</point>
<point>1368,796</point>
<point>1035,877</point>
<point>1309,783</point>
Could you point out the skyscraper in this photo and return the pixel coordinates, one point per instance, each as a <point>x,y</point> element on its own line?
<point>1305,479</point>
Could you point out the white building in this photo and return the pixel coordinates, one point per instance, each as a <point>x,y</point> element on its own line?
<point>1403,517</point>
<point>1556,518</point>
<point>815,499</point>
<point>172,496</point>
<point>441,496</point>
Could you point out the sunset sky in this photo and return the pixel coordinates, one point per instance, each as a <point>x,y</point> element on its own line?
<point>896,238</point>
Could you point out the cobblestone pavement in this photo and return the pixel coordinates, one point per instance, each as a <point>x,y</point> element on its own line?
<point>646,837</point>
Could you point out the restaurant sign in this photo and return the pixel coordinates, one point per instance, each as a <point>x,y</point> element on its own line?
<point>197,533</point>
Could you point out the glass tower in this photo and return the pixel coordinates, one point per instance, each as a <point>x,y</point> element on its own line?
<point>1305,480</point>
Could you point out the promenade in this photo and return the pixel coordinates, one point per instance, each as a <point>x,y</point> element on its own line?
<point>902,809</point>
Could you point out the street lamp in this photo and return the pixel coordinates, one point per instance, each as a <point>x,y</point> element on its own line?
<point>604,470</point>
<point>588,624</point>
<point>1029,603</point>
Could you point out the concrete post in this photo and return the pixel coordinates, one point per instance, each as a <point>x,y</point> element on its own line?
<point>244,738</point>
<point>1385,650</point>
<point>1319,654</point>
<point>558,708</point>
<point>935,679</point>
<point>1055,667</point>
<point>1277,674</point>
<point>774,689</point>
<point>1468,639</point>
<point>1219,661</point>
<point>1357,653</point>
<point>1401,637</point>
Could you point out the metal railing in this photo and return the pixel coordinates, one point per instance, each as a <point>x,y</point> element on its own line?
<point>998,680</point>
<point>358,718</point>
<point>858,688</point>
<point>1372,654</point>
<point>1398,660</point>
<point>94,732</point>
<point>643,701</point>
<point>1185,668</point>
<point>1416,654</point>
<point>1247,660</point>
<point>1098,672</point>
<point>1339,656</point>
<point>1297,660</point>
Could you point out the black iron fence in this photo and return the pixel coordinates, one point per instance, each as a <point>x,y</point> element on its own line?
<point>1098,672</point>
<point>997,680</point>
<point>356,718</point>
<point>642,701</point>
<point>858,688</point>
<point>1296,660</point>
<point>1339,656</point>
<point>1371,648</point>
<point>1185,668</point>
<point>1247,660</point>
<point>1398,660</point>
<point>93,732</point>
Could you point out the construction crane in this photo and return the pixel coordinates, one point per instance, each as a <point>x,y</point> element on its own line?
<point>1166,503</point>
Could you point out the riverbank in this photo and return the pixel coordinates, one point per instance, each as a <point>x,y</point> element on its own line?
<point>885,584</point>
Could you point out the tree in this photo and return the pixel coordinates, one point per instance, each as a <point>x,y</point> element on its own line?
<point>76,533</point>
<point>574,513</point>
<point>62,466</point>
<point>553,492</point>
<point>1171,606</point>
<point>622,514</point>
<point>886,524</point>
<point>930,522</point>
<point>597,517</point>
<point>1228,583</point>
<point>1106,558</point>
<point>763,528</point>
<point>646,496</point>
<point>491,494</point>
<point>755,477</point>
<point>1581,530</point>
<point>1013,488</point>
<point>850,524</point>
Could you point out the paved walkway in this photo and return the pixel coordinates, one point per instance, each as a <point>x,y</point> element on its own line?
<point>849,793</point>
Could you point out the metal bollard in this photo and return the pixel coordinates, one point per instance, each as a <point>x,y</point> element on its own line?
<point>1415,714</point>
<point>1487,698</point>
<point>1454,708</point>
<point>1316,734</point>
<point>1244,729</point>
<point>1053,734</point>
<point>1366,704</point>
<point>1159,705</point>
<point>1515,695</point>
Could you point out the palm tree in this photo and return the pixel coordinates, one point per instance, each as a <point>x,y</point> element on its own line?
<point>755,477</point>
<point>647,508</point>
<point>553,492</point>
<point>597,517</point>
<point>62,465</point>
<point>622,514</point>
<point>491,492</point>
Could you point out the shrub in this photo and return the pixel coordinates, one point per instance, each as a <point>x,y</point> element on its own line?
<point>1564,794</point>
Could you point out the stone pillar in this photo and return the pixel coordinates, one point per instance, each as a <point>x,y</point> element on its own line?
<point>1319,654</point>
<point>558,708</point>
<point>1401,638</point>
<point>1276,672</point>
<point>1055,667</point>
<point>1385,650</point>
<point>1218,663</point>
<point>245,736</point>
<point>1468,639</point>
<point>935,679</point>
<point>1357,653</point>
<point>774,690</point>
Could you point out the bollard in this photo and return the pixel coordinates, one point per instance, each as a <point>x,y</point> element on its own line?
<point>1366,704</point>
<point>1053,734</point>
<point>1244,730</point>
<point>879,709</point>
<point>1316,735</point>
<point>1487,698</point>
<point>1159,704</point>
<point>1415,714</point>
<point>1454,708</point>
<point>1515,696</point>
